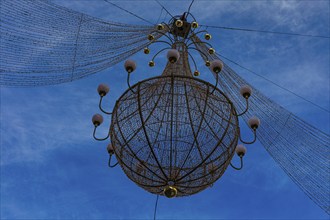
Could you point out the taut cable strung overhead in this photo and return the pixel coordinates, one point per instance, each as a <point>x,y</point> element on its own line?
<point>264,31</point>
<point>45,44</point>
<point>300,149</point>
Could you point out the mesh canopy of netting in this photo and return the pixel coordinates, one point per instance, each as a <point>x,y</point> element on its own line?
<point>174,128</point>
<point>300,149</point>
<point>44,44</point>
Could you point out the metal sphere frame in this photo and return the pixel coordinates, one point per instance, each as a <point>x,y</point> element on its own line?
<point>172,131</point>
<point>175,134</point>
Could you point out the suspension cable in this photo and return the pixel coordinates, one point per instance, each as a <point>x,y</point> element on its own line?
<point>164,8</point>
<point>263,31</point>
<point>160,15</point>
<point>192,2</point>
<point>131,13</point>
<point>155,211</point>
<point>268,80</point>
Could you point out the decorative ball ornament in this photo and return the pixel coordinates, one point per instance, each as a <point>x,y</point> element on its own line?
<point>103,89</point>
<point>194,24</point>
<point>254,122</point>
<point>216,66</point>
<point>97,120</point>
<point>151,37</point>
<point>110,149</point>
<point>207,36</point>
<point>145,123</point>
<point>246,91</point>
<point>130,66</point>
<point>170,191</point>
<point>173,55</point>
<point>178,23</point>
<point>240,150</point>
<point>146,50</point>
<point>160,27</point>
<point>207,63</point>
<point>196,73</point>
<point>211,51</point>
<point>151,63</point>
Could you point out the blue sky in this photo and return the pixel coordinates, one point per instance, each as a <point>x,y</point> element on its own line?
<point>52,168</point>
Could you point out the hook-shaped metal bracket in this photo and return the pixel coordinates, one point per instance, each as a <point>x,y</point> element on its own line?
<point>249,142</point>
<point>241,166</point>
<point>216,83</point>
<point>129,85</point>
<point>100,107</point>
<point>109,162</point>
<point>246,108</point>
<point>99,139</point>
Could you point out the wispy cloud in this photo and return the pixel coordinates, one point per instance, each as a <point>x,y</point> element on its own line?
<point>41,120</point>
<point>48,153</point>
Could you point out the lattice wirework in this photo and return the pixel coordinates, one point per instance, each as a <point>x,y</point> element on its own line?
<point>42,43</point>
<point>300,149</point>
<point>172,130</point>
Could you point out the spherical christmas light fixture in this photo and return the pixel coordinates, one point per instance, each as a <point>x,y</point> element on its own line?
<point>130,66</point>
<point>240,150</point>
<point>174,134</point>
<point>179,23</point>
<point>254,122</point>
<point>97,120</point>
<point>216,66</point>
<point>173,55</point>
<point>246,91</point>
<point>146,50</point>
<point>207,36</point>
<point>103,90</point>
<point>194,24</point>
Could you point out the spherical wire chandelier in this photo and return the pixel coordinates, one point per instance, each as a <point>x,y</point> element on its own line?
<point>175,134</point>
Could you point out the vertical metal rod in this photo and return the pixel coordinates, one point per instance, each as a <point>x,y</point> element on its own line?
<point>156,204</point>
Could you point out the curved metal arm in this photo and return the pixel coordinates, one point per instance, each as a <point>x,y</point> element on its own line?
<point>216,82</point>
<point>199,51</point>
<point>161,41</point>
<point>238,168</point>
<point>109,162</point>
<point>163,23</point>
<point>166,48</point>
<point>188,13</point>
<point>249,142</point>
<point>100,139</point>
<point>163,34</point>
<point>246,108</point>
<point>198,32</point>
<point>100,107</point>
<point>201,42</point>
<point>194,34</point>
<point>129,85</point>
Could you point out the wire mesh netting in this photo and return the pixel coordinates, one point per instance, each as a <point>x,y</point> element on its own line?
<point>44,44</point>
<point>300,149</point>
